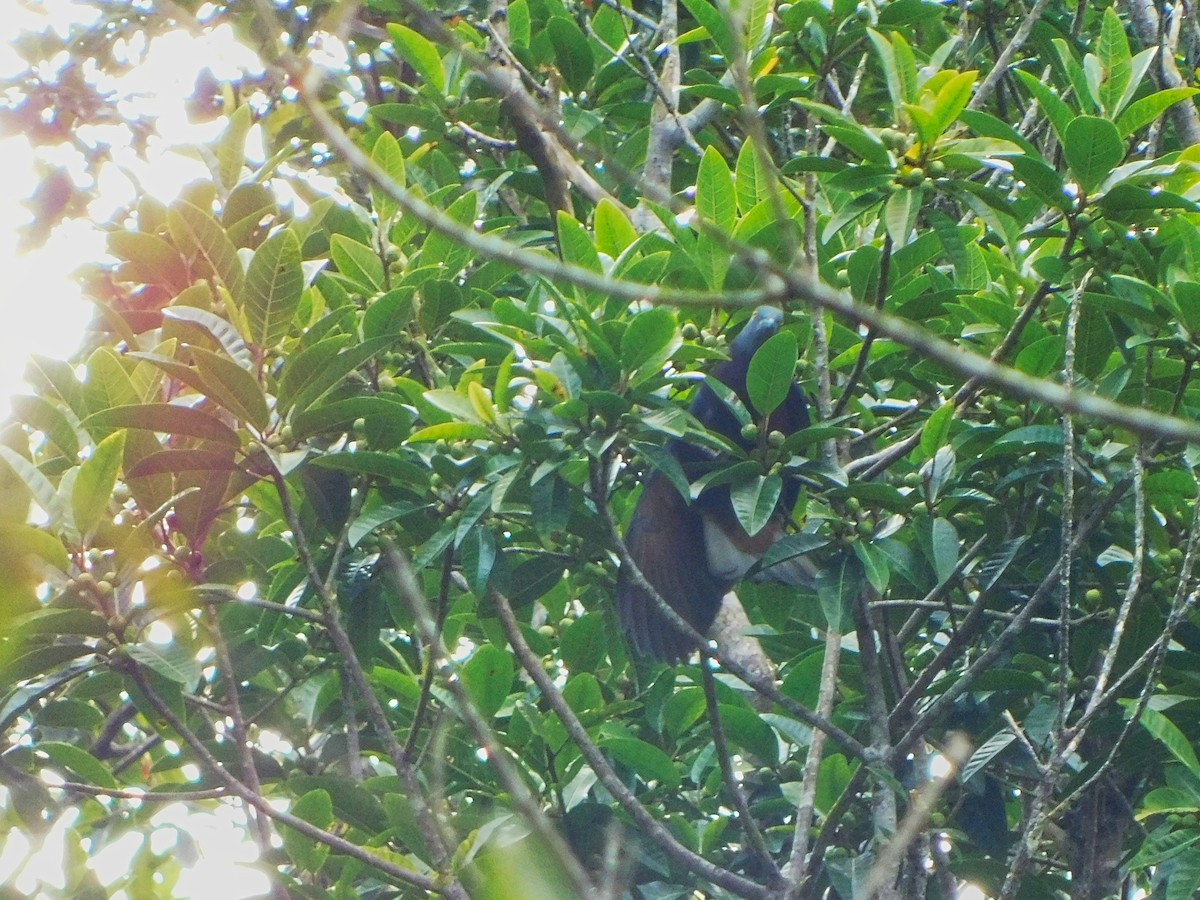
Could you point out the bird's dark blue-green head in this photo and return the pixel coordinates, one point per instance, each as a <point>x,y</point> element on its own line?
<point>763,323</point>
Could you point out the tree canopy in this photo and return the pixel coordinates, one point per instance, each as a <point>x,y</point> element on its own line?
<point>325,519</point>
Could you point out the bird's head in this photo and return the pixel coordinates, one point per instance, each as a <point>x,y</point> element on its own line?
<point>764,323</point>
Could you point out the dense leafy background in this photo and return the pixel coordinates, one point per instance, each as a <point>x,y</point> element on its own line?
<point>326,509</point>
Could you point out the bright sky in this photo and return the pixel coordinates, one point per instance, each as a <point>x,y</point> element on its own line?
<point>45,314</point>
<point>42,308</point>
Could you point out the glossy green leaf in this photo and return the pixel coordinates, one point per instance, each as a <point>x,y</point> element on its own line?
<point>272,288</point>
<point>93,487</point>
<point>613,231</point>
<point>316,808</point>
<point>716,201</point>
<point>78,762</point>
<point>1113,52</point>
<point>1142,112</point>
<point>232,387</point>
<point>167,418</point>
<point>357,262</point>
<point>390,158</point>
<point>487,677</point>
<point>519,29</point>
<point>38,485</point>
<point>754,501</point>
<point>199,235</point>
<point>771,372</point>
<point>936,430</point>
<point>712,21</point>
<point>231,148</point>
<point>210,325</point>
<point>1169,735</point>
<point>648,761</point>
<point>576,243</point>
<point>838,585</point>
<point>1093,148</point>
<point>647,337</point>
<point>572,52</point>
<point>420,53</point>
<point>172,661</point>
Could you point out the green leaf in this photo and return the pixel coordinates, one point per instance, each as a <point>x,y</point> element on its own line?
<point>31,476</point>
<point>20,540</point>
<point>244,211</point>
<point>148,259</point>
<point>315,808</point>
<point>93,487</point>
<point>478,557</point>
<point>1113,52</point>
<point>519,30</point>
<point>576,244</point>
<point>572,52</point>
<point>613,231</point>
<point>272,289</point>
<point>420,53</point>
<point>712,21</point>
<point>357,262</point>
<point>1093,148</point>
<point>1084,96</point>
<point>79,762</point>
<point>647,761</point>
<point>54,420</point>
<point>446,251</point>
<point>172,661</point>
<point>900,214</point>
<point>772,372</point>
<point>943,548</point>
<point>231,149</point>
<point>754,501</point>
<point>388,156</point>
<point>716,202</point>
<point>747,731</point>
<point>1146,110</point>
<point>875,565</point>
<point>936,430</point>
<point>838,584</point>
<point>334,370</point>
<point>899,69</point>
<point>167,418</point>
<point>951,100</point>
<point>232,387</point>
<point>108,383</point>
<point>1055,109</point>
<point>1168,733</point>
<point>197,233</point>
<point>202,323</point>
<point>449,431</point>
<point>487,677</point>
<point>583,642</point>
<point>647,337</point>
<point>859,141</point>
<point>751,180</point>
<point>1041,357</point>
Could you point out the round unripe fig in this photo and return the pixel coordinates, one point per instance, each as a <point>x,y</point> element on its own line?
<point>750,432</point>
<point>937,168</point>
<point>689,331</point>
<point>775,439</point>
<point>386,383</point>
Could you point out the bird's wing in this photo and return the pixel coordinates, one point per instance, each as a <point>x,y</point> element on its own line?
<point>666,539</point>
